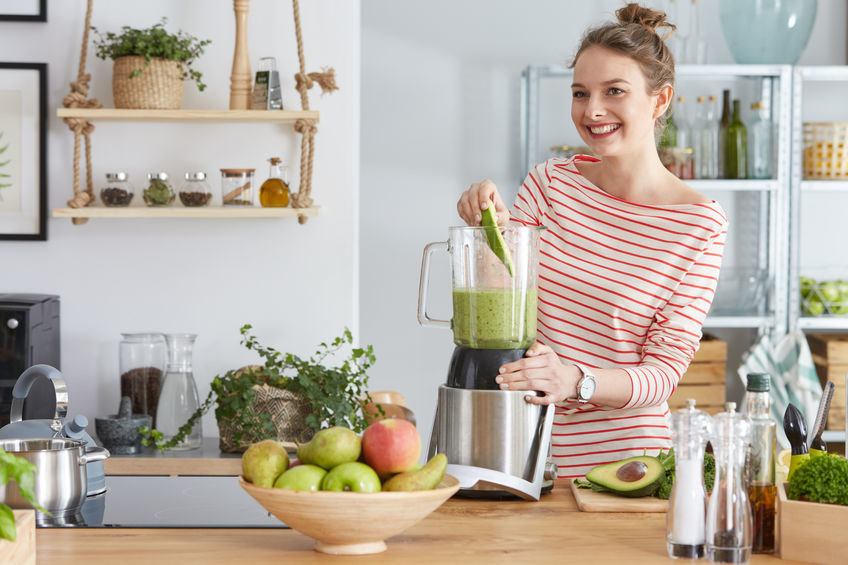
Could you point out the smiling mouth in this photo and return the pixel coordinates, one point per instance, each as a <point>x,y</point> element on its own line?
<point>605,129</point>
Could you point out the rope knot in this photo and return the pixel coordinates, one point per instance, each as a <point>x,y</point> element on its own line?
<point>303,82</point>
<point>307,128</point>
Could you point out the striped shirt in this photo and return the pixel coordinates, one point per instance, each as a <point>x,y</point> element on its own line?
<point>621,285</point>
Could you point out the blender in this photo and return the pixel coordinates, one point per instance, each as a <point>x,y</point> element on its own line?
<point>496,442</point>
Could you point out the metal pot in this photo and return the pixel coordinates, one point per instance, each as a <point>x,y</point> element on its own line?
<point>61,480</point>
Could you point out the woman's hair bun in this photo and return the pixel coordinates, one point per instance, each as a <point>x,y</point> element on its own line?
<point>633,13</point>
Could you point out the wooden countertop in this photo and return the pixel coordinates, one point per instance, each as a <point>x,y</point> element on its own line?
<point>466,531</point>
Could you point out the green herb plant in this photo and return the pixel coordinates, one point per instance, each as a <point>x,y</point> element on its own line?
<point>334,394</point>
<point>158,193</point>
<point>22,471</point>
<point>821,479</point>
<point>3,175</point>
<point>152,42</point>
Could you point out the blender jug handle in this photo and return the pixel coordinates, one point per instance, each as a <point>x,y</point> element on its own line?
<point>424,284</point>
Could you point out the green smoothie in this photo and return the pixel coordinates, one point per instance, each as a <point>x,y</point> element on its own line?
<point>494,318</point>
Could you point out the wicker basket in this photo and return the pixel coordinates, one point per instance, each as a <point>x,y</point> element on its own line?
<point>826,150</point>
<point>287,410</point>
<point>159,86</point>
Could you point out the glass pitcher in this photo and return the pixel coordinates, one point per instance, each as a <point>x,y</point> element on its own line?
<point>178,399</point>
<point>493,308</point>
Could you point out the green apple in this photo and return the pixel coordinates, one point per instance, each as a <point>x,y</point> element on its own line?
<point>302,477</point>
<point>829,291</point>
<point>807,286</point>
<point>353,476</point>
<point>813,306</point>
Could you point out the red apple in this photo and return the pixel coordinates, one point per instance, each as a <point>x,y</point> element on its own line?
<point>391,446</point>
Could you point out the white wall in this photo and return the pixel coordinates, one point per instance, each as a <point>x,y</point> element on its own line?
<point>297,284</point>
<point>440,106</point>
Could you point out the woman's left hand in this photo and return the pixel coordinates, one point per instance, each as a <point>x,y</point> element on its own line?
<point>540,370</point>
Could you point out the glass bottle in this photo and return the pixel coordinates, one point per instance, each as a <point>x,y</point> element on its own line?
<point>708,135</point>
<point>724,123</point>
<point>729,523</point>
<point>158,191</point>
<point>736,147</point>
<point>195,191</point>
<point>118,192</point>
<point>274,192</point>
<point>760,143</point>
<point>669,133</point>
<point>759,465</point>
<point>178,399</point>
<point>684,138</point>
<point>687,506</point>
<point>141,358</point>
<point>696,46</point>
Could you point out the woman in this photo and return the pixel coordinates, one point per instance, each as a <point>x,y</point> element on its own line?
<point>629,262</point>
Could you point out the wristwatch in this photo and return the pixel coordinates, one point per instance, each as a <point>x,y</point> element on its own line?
<point>585,386</point>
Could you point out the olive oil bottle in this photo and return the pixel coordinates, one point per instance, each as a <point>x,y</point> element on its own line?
<point>274,192</point>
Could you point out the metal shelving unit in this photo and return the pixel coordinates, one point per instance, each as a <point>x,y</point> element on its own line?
<point>770,196</point>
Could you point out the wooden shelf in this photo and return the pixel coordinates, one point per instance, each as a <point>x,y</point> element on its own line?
<point>183,212</point>
<point>116,114</point>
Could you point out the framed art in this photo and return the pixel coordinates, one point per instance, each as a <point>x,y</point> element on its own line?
<point>23,10</point>
<point>23,151</point>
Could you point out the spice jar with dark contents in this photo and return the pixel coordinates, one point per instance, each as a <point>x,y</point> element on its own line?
<point>158,191</point>
<point>142,363</point>
<point>118,191</point>
<point>195,191</point>
<point>236,187</point>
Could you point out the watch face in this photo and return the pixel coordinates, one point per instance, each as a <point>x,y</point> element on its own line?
<point>587,388</point>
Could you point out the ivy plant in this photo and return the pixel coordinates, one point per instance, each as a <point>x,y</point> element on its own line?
<point>22,471</point>
<point>334,394</point>
<point>152,42</point>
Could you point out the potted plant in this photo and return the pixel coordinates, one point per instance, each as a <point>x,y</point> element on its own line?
<point>288,398</point>
<point>21,470</point>
<point>150,65</point>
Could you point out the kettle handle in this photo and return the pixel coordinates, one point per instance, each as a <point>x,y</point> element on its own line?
<point>24,384</point>
<point>424,284</point>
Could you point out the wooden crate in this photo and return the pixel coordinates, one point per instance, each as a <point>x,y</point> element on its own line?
<point>704,380</point>
<point>22,550</point>
<point>809,531</point>
<point>830,355</point>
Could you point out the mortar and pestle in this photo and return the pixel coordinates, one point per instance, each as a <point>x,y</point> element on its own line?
<point>119,433</point>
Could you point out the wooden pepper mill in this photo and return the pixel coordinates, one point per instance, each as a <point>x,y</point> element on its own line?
<point>240,83</point>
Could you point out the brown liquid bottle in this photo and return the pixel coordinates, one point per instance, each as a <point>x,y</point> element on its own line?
<point>274,192</point>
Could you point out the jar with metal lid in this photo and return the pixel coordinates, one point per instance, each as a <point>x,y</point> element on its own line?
<point>158,191</point>
<point>195,191</point>
<point>237,187</point>
<point>118,192</point>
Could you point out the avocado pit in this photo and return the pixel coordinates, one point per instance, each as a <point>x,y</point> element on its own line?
<point>631,472</point>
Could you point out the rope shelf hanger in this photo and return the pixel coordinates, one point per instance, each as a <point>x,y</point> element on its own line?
<point>239,99</point>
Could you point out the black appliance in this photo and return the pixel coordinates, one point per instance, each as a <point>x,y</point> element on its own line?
<point>29,335</point>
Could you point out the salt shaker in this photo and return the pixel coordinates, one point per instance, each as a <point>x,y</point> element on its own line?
<point>687,505</point>
<point>729,521</point>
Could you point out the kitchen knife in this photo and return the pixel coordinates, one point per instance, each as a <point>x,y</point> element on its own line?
<point>817,446</point>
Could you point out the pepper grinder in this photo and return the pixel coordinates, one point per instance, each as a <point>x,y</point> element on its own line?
<point>729,521</point>
<point>687,505</point>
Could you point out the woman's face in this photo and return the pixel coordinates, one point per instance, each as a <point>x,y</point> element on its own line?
<point>611,106</point>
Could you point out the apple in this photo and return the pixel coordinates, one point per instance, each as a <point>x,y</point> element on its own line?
<point>391,446</point>
<point>263,462</point>
<point>829,291</point>
<point>302,477</point>
<point>353,476</point>
<point>807,286</point>
<point>813,306</point>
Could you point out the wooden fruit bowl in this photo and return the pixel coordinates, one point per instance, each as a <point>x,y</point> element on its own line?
<point>351,523</point>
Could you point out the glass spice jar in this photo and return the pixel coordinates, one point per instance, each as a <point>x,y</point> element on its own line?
<point>195,191</point>
<point>237,187</point>
<point>158,191</point>
<point>118,191</point>
<point>142,363</point>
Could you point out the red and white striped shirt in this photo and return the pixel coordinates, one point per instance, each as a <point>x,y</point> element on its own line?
<point>621,285</point>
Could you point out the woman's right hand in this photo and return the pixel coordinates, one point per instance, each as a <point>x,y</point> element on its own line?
<point>478,197</point>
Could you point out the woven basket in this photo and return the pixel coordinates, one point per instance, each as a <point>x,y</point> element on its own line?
<point>288,412</point>
<point>159,86</point>
<point>826,150</point>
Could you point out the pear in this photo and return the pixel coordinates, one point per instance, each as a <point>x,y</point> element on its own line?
<point>263,462</point>
<point>330,447</point>
<point>428,477</point>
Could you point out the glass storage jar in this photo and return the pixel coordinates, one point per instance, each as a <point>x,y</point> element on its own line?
<point>158,191</point>
<point>142,358</point>
<point>118,192</point>
<point>195,191</point>
<point>237,187</point>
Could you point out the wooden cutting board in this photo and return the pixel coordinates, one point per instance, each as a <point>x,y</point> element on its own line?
<point>591,501</point>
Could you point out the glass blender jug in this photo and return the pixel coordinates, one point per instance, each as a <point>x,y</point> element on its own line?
<point>494,299</point>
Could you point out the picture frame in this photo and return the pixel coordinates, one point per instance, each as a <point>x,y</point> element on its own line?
<point>23,10</point>
<point>23,151</point>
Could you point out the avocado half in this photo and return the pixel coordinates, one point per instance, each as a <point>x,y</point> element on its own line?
<point>634,476</point>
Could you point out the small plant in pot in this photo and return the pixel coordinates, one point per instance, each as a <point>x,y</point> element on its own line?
<point>150,65</point>
<point>22,472</point>
<point>288,398</point>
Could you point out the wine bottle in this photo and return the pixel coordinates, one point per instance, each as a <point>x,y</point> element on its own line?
<point>736,147</point>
